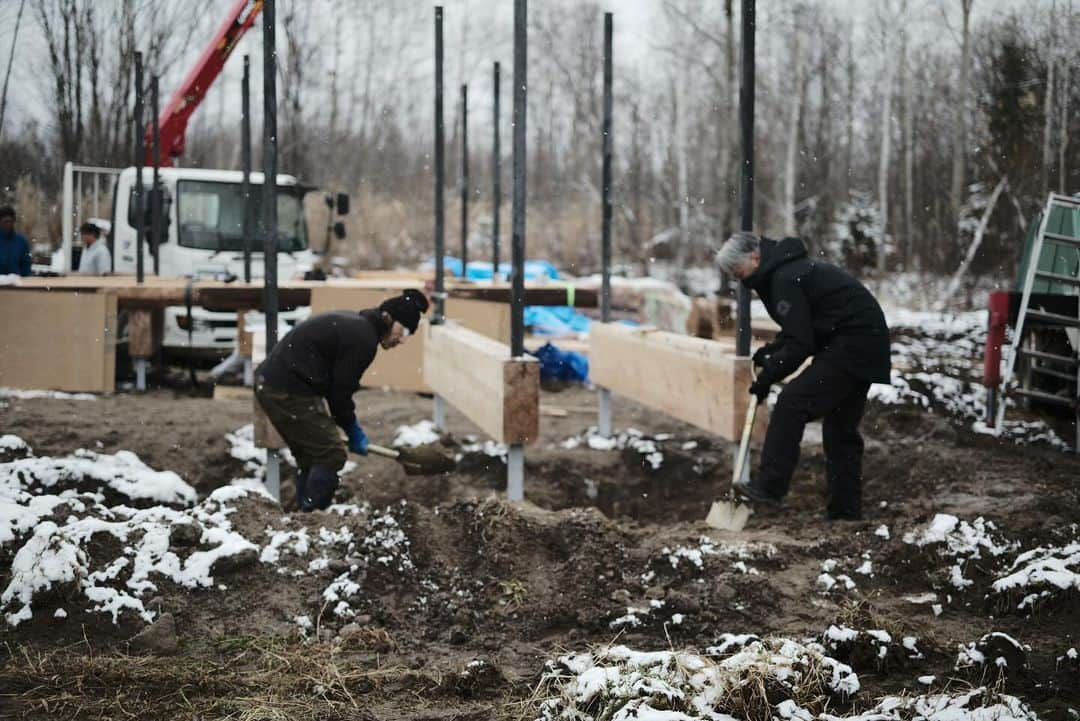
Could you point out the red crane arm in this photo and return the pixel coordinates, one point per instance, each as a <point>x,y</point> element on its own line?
<point>172,125</point>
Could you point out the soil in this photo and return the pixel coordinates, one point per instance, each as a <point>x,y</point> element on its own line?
<point>512,585</point>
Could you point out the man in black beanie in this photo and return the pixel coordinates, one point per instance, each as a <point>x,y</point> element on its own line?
<point>323,358</point>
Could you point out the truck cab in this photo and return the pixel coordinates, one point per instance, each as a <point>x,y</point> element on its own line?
<point>202,238</point>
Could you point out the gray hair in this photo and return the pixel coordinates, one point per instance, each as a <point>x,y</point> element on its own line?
<point>736,250</point>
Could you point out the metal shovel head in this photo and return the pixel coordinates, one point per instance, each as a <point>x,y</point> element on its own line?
<point>728,515</point>
<point>425,461</point>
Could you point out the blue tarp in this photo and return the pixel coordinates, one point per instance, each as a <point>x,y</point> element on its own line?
<point>482,270</point>
<point>561,365</point>
<point>555,320</point>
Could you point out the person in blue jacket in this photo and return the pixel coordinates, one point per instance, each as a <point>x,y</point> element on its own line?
<point>14,249</point>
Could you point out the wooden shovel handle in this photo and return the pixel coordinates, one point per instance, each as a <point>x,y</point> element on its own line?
<point>383,451</point>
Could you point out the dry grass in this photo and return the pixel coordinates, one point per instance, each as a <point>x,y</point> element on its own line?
<point>242,678</point>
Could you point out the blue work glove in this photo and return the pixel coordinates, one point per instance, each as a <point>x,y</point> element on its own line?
<point>358,440</point>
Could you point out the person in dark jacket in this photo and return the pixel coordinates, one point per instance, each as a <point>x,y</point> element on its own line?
<point>321,358</point>
<point>14,250</point>
<point>825,313</point>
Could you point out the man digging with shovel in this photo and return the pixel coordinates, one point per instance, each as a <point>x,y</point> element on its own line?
<point>323,358</point>
<point>826,313</point>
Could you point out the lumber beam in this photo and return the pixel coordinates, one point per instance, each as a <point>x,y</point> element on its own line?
<point>476,375</point>
<point>699,381</point>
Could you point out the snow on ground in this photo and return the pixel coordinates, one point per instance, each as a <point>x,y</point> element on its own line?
<point>961,541</point>
<point>22,395</point>
<point>937,365</point>
<point>803,683</point>
<point>68,527</point>
<point>647,447</point>
<point>418,434</point>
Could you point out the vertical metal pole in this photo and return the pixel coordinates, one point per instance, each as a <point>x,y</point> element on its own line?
<point>269,207</point>
<point>440,169</point>
<point>439,410</point>
<point>155,194</point>
<point>746,185</point>
<point>269,198</point>
<point>140,152</point>
<point>245,153</point>
<point>496,183</point>
<point>67,222</point>
<point>604,418</point>
<point>515,475</point>
<point>464,182</point>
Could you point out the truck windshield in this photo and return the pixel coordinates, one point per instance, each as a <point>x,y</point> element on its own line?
<point>211,216</point>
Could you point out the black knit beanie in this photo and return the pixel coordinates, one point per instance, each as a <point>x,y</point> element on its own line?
<point>406,308</point>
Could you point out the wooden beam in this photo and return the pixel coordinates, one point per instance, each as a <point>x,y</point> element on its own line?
<point>699,381</point>
<point>141,334</point>
<point>476,375</point>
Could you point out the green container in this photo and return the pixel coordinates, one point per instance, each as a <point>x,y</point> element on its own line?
<point>1055,257</point>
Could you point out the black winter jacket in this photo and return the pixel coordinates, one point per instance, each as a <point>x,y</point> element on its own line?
<point>325,355</point>
<point>822,311</point>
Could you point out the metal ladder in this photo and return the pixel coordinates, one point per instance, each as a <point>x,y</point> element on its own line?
<point>1065,367</point>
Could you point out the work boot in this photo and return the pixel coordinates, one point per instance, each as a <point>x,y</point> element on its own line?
<point>319,489</point>
<point>301,488</point>
<point>747,491</point>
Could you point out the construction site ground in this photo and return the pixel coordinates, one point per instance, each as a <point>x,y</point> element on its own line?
<point>461,598</point>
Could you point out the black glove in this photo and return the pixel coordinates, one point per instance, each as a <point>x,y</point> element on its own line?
<point>761,355</point>
<point>760,389</point>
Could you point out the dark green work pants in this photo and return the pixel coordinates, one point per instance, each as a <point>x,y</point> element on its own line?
<point>305,425</point>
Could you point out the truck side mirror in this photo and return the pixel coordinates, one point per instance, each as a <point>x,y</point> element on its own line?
<point>339,230</point>
<point>329,200</point>
<point>343,204</point>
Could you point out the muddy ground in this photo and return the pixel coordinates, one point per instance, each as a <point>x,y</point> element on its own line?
<point>513,586</point>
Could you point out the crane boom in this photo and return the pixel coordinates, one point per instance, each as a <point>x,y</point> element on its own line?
<point>174,117</point>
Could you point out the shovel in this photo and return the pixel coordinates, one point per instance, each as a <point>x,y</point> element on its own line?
<point>730,515</point>
<point>421,461</point>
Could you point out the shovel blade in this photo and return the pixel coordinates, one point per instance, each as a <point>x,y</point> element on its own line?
<point>728,516</point>
<point>425,461</point>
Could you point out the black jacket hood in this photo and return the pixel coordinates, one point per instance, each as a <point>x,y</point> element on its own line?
<point>775,253</point>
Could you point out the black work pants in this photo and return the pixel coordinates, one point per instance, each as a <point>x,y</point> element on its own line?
<point>825,391</point>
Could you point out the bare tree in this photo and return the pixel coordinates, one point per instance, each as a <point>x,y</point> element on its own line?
<point>11,63</point>
<point>959,149</point>
<point>1048,102</point>
<point>791,165</point>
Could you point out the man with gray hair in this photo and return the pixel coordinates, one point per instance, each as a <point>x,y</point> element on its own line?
<point>826,313</point>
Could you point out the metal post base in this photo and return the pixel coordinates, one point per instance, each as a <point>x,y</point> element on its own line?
<point>603,424</point>
<point>438,414</point>
<point>273,473</point>
<point>515,473</point>
<point>140,373</point>
<point>249,373</point>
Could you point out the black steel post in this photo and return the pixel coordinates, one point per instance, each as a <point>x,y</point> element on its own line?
<point>269,198</point>
<point>440,169</point>
<point>605,247</point>
<point>245,154</point>
<point>464,181</point>
<point>517,247</point>
<point>746,185</point>
<point>140,152</point>
<point>496,183</point>
<point>156,194</point>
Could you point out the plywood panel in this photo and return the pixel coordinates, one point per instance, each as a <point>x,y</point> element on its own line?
<point>58,341</point>
<point>699,381</point>
<point>476,375</point>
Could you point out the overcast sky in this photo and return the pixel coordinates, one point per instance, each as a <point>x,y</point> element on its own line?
<point>636,39</point>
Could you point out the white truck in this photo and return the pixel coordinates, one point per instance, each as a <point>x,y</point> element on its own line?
<point>202,238</point>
